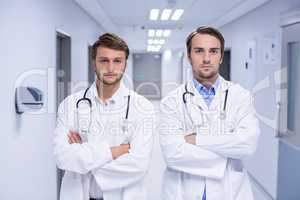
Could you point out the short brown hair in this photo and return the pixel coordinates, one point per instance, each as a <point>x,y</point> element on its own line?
<point>205,30</point>
<point>111,41</point>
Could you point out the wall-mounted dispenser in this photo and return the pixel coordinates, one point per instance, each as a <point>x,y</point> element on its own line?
<point>28,99</point>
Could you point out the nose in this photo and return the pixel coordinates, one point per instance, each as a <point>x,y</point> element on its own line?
<point>110,67</point>
<point>206,59</point>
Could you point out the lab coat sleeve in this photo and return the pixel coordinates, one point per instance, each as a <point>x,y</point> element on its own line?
<point>79,158</point>
<point>242,141</point>
<point>132,167</point>
<point>182,156</point>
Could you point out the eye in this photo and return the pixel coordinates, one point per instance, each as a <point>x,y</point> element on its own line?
<point>118,61</point>
<point>103,61</point>
<point>199,50</point>
<point>214,51</point>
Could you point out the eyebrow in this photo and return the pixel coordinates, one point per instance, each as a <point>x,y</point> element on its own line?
<point>110,58</point>
<point>214,48</point>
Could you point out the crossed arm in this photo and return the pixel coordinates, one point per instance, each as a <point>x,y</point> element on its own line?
<point>113,167</point>
<point>116,151</point>
<point>202,154</point>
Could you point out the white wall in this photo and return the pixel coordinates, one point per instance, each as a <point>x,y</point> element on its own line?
<point>171,71</point>
<point>27,39</point>
<point>262,23</point>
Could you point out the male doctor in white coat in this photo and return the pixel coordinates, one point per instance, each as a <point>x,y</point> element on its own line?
<point>105,148</point>
<point>207,126</point>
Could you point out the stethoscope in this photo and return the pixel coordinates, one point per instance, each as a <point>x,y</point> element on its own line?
<point>184,99</point>
<point>84,111</point>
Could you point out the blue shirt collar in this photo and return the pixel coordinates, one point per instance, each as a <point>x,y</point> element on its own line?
<point>202,89</point>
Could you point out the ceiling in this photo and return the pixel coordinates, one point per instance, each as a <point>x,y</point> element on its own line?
<point>130,18</point>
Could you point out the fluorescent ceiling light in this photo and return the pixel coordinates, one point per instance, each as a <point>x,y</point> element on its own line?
<point>153,48</point>
<point>159,33</point>
<point>148,48</point>
<point>166,33</point>
<point>154,13</point>
<point>166,14</point>
<point>151,33</point>
<point>157,48</point>
<point>177,14</point>
<point>150,41</point>
<point>161,41</point>
<point>156,41</point>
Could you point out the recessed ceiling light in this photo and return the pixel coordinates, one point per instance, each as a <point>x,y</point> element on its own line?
<point>150,48</point>
<point>151,33</point>
<point>150,41</point>
<point>166,33</point>
<point>177,14</point>
<point>166,14</point>
<point>161,41</point>
<point>159,33</point>
<point>153,48</point>
<point>157,48</point>
<point>154,13</point>
<point>156,41</point>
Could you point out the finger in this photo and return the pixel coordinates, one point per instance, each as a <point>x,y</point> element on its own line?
<point>78,138</point>
<point>70,139</point>
<point>73,132</point>
<point>73,138</point>
<point>126,145</point>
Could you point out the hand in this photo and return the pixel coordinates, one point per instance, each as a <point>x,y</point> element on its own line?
<point>118,151</point>
<point>74,137</point>
<point>191,138</point>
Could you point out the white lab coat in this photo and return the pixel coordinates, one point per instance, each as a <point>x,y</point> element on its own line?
<point>120,179</point>
<point>216,159</point>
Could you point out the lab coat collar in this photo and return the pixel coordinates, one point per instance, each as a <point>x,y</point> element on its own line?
<point>198,99</point>
<point>118,96</point>
<point>223,84</point>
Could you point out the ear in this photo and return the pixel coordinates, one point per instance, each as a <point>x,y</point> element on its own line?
<point>221,60</point>
<point>189,57</point>
<point>93,64</point>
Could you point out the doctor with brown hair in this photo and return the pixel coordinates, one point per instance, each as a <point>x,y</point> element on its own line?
<point>104,134</point>
<point>207,126</point>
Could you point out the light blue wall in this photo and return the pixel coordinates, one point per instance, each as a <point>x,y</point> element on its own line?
<point>262,23</point>
<point>27,39</point>
<point>288,168</point>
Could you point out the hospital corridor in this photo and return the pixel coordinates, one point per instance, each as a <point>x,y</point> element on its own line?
<point>150,99</point>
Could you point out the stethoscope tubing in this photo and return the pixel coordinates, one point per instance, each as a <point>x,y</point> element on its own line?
<point>84,98</point>
<point>192,94</point>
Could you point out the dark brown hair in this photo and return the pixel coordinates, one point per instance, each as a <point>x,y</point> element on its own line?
<point>205,30</point>
<point>110,41</point>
